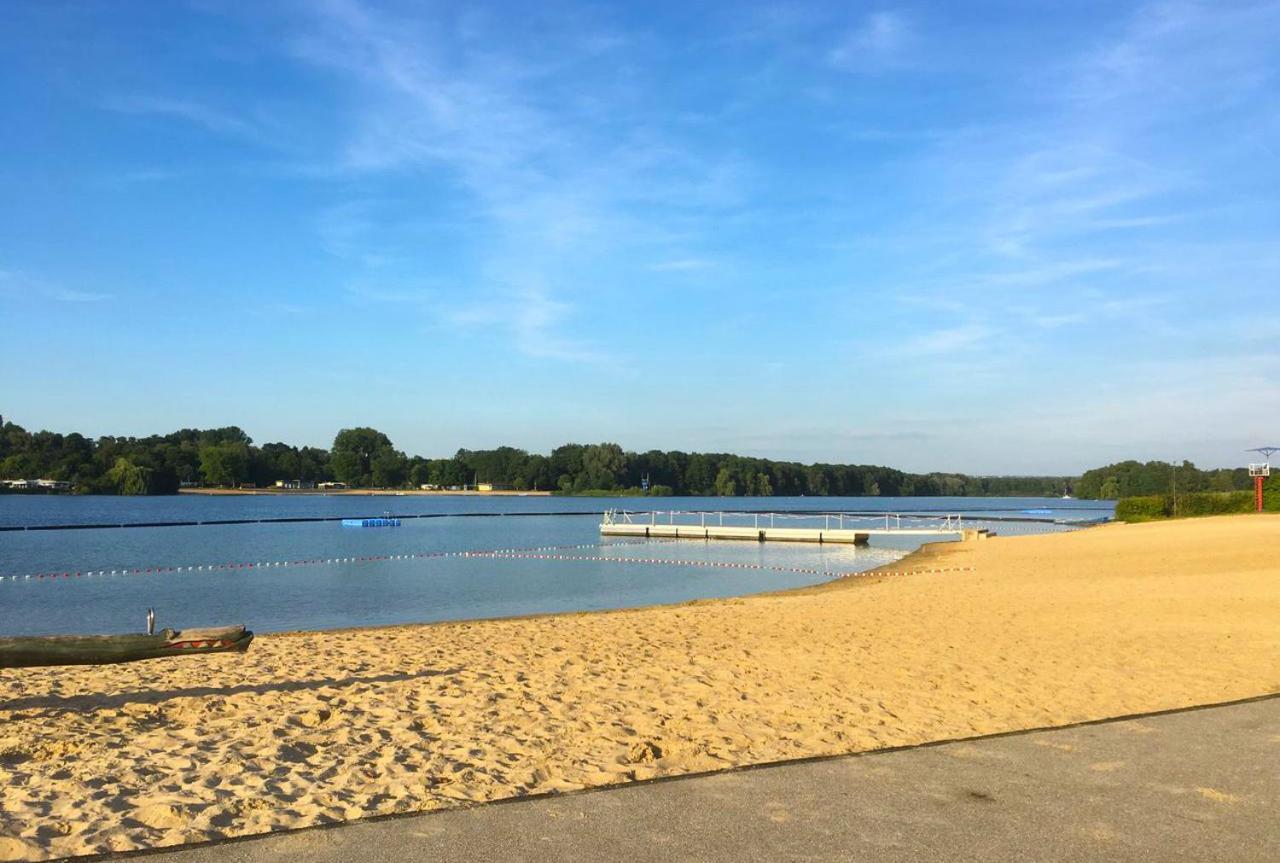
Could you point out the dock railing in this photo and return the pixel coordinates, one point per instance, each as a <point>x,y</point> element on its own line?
<point>942,523</point>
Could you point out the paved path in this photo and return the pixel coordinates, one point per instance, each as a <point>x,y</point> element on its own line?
<point>1195,785</point>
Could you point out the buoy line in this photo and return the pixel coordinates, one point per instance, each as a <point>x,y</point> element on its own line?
<point>103,572</point>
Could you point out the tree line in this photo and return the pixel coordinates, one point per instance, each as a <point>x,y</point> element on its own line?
<point>1137,479</point>
<point>367,458</point>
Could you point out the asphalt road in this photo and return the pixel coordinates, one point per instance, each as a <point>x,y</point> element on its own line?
<point>1195,785</point>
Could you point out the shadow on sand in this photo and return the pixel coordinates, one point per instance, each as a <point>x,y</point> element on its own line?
<point>81,703</point>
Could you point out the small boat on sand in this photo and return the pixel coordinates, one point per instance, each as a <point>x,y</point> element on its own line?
<point>31,651</point>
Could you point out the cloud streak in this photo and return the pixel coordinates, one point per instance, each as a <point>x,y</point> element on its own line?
<point>558,191</point>
<point>878,43</point>
<point>16,285</point>
<point>187,110</point>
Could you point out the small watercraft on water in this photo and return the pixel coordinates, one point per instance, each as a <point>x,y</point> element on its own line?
<point>371,522</point>
<point>32,651</point>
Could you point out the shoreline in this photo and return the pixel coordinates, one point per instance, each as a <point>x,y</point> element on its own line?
<point>869,576</point>
<point>314,728</point>
<point>353,492</point>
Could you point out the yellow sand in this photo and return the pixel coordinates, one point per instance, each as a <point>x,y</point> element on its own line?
<point>312,728</point>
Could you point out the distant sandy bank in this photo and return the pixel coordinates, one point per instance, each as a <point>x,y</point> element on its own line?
<point>314,728</point>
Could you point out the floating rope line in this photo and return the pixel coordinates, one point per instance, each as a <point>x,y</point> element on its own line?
<point>547,553</point>
<point>318,561</point>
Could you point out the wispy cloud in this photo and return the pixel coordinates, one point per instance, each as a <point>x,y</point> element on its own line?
<point>189,111</point>
<point>17,285</point>
<point>680,265</point>
<point>1076,213</point>
<point>139,177</point>
<point>69,295</point>
<point>879,42</point>
<point>946,341</point>
<point>531,320</point>
<point>1183,53</point>
<point>401,294</point>
<point>560,192</point>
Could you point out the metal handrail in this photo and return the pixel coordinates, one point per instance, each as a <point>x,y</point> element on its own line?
<point>842,521</point>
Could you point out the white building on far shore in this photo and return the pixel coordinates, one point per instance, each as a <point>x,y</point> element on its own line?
<point>37,484</point>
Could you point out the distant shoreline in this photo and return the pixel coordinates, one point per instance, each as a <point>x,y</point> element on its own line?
<point>359,492</point>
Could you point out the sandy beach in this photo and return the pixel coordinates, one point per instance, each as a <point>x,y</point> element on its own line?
<point>314,728</point>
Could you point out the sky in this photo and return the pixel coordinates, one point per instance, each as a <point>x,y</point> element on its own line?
<point>990,237</point>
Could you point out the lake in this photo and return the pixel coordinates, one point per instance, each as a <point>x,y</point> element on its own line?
<point>441,564</point>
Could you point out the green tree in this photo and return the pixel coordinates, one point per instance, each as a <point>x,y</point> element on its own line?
<point>224,464</point>
<point>390,468</point>
<point>602,465</point>
<point>700,474</point>
<point>128,478</point>
<point>353,453</point>
<point>817,482</point>
<point>1110,489</point>
<point>726,483</point>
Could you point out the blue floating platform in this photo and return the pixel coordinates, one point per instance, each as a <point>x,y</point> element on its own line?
<point>371,522</point>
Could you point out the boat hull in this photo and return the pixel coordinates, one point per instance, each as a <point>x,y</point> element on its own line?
<point>32,652</point>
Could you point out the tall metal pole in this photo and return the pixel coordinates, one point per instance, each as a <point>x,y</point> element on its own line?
<point>1264,470</point>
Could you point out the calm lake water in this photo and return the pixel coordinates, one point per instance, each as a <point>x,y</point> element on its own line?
<point>418,573</point>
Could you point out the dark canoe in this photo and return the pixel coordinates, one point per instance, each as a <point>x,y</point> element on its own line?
<point>28,652</point>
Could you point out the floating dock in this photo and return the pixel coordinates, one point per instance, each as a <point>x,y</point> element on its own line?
<point>371,522</point>
<point>837,528</point>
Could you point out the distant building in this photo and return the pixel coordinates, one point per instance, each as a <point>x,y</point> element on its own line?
<point>427,486</point>
<point>493,486</point>
<point>37,485</point>
<point>333,485</point>
<point>53,484</point>
<point>295,483</point>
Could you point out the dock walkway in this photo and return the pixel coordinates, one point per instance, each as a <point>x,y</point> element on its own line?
<point>779,526</point>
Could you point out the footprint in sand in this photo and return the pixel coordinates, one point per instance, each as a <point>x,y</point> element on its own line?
<point>1218,796</point>
<point>313,718</point>
<point>1101,832</point>
<point>161,816</point>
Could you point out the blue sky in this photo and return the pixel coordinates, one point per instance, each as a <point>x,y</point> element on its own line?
<point>983,237</point>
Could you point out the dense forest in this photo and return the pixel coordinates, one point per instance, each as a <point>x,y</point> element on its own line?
<point>1132,478</point>
<point>366,458</point>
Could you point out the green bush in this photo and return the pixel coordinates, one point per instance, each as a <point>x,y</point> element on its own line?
<point>1212,503</point>
<point>1152,507</point>
<point>1133,509</point>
